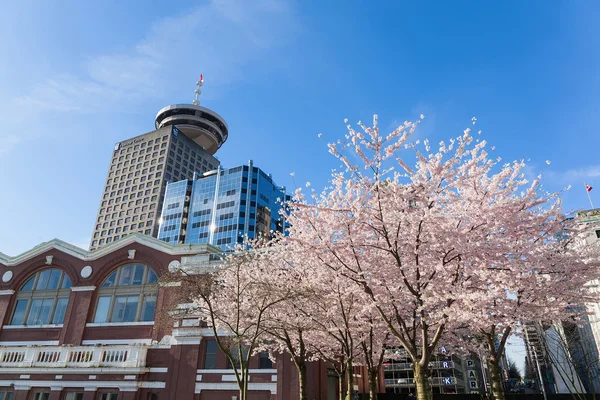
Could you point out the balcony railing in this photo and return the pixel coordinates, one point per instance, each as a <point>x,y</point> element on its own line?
<point>409,366</point>
<point>437,381</point>
<point>73,357</point>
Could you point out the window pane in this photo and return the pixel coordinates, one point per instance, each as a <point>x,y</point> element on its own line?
<point>19,314</point>
<point>131,308</point>
<point>34,310</point>
<point>66,283</point>
<point>210,362</point>
<point>43,280</point>
<point>110,281</point>
<point>45,311</point>
<point>59,311</point>
<point>152,278</point>
<point>73,396</point>
<point>118,309</point>
<point>148,308</point>
<point>29,284</point>
<point>102,309</point>
<point>138,274</point>
<point>53,279</point>
<point>264,360</point>
<point>125,278</point>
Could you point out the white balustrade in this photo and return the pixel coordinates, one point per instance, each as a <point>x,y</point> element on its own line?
<point>74,357</point>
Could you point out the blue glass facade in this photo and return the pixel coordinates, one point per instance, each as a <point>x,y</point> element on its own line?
<point>172,217</point>
<point>222,207</point>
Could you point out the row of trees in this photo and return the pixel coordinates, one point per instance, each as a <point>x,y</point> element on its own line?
<point>454,248</point>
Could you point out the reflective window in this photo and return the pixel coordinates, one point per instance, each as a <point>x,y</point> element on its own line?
<point>128,294</point>
<point>210,360</point>
<point>43,299</point>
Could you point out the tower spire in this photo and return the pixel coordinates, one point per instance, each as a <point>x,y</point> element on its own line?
<point>196,102</point>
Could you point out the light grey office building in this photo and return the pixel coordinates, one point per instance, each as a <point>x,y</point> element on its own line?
<point>185,140</point>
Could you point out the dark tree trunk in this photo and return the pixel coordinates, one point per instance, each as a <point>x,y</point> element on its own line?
<point>373,375</point>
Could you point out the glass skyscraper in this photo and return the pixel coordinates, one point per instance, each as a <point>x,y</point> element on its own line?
<point>222,207</point>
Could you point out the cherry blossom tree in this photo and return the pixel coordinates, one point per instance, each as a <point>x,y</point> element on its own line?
<point>234,301</point>
<point>421,239</point>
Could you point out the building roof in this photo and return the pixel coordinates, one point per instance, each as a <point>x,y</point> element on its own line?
<point>87,255</point>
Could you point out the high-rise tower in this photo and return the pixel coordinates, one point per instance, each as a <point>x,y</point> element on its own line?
<point>184,141</point>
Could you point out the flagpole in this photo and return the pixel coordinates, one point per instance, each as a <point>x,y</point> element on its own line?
<point>587,190</point>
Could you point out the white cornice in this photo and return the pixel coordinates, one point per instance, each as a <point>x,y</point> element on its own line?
<point>85,255</point>
<point>7,292</point>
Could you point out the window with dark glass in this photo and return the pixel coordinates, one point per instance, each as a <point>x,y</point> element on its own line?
<point>128,294</point>
<point>108,396</point>
<point>264,362</point>
<point>42,299</point>
<point>74,396</point>
<point>40,395</point>
<point>210,360</point>
<point>4,395</point>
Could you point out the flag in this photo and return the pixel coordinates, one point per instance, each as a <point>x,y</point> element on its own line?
<point>201,78</point>
<point>588,187</point>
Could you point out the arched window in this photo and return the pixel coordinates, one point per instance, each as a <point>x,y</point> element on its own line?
<point>127,295</point>
<point>43,299</point>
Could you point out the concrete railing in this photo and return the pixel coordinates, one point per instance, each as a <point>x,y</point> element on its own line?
<point>73,357</point>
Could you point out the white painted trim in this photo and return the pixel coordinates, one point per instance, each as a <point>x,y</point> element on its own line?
<point>107,324</point>
<point>58,377</point>
<point>159,370</point>
<point>129,377</point>
<point>48,370</point>
<point>85,255</point>
<point>45,326</point>
<point>92,377</point>
<point>24,376</point>
<point>200,386</point>
<point>86,385</point>
<point>230,371</point>
<point>115,341</point>
<point>83,288</point>
<point>7,292</point>
<point>273,378</point>
<point>198,378</point>
<point>36,343</point>
<point>229,378</point>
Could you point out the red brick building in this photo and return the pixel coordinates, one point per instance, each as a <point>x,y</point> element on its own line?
<point>81,325</point>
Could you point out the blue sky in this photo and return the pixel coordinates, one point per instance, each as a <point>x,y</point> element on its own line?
<point>76,77</point>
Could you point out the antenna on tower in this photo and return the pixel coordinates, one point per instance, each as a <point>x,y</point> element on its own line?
<point>196,102</point>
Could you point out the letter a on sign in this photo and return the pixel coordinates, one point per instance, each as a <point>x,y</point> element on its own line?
<point>472,374</point>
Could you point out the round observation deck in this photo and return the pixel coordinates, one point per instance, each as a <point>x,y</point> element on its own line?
<point>205,127</point>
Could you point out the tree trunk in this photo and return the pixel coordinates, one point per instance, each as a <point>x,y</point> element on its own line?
<point>341,386</point>
<point>349,379</point>
<point>496,378</point>
<point>301,366</point>
<point>422,384</point>
<point>373,375</point>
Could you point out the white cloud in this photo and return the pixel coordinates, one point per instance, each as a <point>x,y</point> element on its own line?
<point>574,176</point>
<point>219,39</point>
